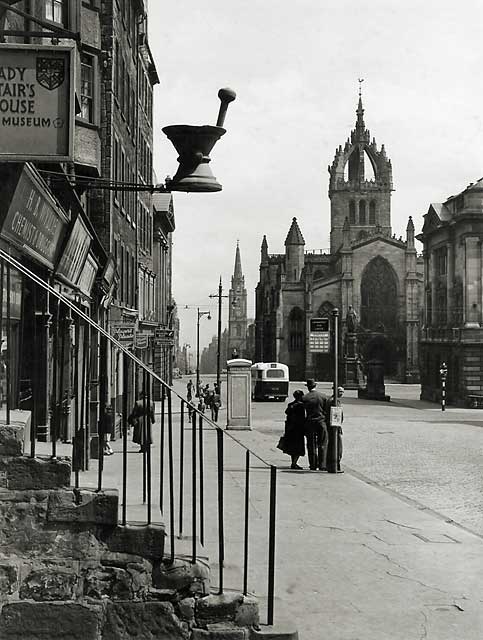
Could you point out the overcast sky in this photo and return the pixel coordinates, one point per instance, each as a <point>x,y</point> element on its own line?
<point>294,66</point>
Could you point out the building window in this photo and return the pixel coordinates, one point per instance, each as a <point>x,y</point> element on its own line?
<point>352,212</point>
<point>440,257</point>
<point>87,88</point>
<point>55,11</point>
<point>296,323</point>
<point>372,212</point>
<point>362,212</point>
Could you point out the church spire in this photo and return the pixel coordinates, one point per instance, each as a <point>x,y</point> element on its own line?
<point>360,126</point>
<point>237,273</point>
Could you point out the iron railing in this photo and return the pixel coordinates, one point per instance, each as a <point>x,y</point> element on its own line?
<point>70,344</point>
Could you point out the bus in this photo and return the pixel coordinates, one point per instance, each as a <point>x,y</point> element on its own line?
<point>269,380</point>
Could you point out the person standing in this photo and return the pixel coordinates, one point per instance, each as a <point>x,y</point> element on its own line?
<point>189,391</point>
<point>316,407</point>
<point>293,442</point>
<point>141,426</point>
<point>338,403</point>
<point>215,404</point>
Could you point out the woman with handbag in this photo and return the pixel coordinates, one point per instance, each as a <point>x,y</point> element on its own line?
<point>293,443</point>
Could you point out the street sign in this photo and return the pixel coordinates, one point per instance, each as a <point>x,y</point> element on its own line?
<point>36,102</point>
<point>319,336</point>
<point>164,334</point>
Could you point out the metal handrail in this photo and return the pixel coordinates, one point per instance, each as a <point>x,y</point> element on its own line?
<point>85,329</point>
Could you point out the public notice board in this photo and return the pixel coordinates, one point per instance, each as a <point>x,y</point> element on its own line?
<point>319,335</point>
<point>36,102</point>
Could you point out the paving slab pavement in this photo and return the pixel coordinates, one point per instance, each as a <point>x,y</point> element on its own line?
<point>354,561</point>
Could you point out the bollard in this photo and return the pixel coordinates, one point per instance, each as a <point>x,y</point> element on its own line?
<point>443,372</point>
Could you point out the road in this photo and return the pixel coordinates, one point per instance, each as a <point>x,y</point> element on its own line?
<point>408,447</point>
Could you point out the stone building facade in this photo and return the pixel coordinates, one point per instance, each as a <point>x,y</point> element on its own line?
<point>367,268</point>
<point>452,331</point>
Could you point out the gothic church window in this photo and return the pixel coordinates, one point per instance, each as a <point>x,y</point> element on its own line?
<point>372,212</point>
<point>379,304</point>
<point>362,212</point>
<point>352,212</point>
<point>296,322</point>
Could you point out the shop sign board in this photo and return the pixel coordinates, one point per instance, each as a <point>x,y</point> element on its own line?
<point>36,102</point>
<point>75,252</point>
<point>319,335</point>
<point>142,341</point>
<point>123,334</point>
<point>34,221</point>
<point>88,275</point>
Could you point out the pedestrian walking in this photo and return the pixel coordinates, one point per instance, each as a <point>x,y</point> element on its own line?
<point>316,407</point>
<point>293,440</point>
<point>215,404</point>
<point>338,403</point>
<point>106,427</point>
<point>141,418</point>
<point>189,390</point>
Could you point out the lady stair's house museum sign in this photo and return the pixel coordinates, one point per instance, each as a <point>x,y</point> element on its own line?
<point>36,102</point>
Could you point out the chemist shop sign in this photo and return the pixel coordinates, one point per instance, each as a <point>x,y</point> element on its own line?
<point>34,222</point>
<point>36,102</point>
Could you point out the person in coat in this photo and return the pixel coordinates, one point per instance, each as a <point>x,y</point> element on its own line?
<point>293,443</point>
<point>142,427</point>
<point>316,407</point>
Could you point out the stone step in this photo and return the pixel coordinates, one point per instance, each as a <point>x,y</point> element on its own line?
<point>275,632</point>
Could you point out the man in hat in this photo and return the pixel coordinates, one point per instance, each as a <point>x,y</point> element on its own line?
<point>316,409</point>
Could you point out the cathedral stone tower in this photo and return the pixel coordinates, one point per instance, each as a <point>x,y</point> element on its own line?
<point>237,303</point>
<point>360,187</point>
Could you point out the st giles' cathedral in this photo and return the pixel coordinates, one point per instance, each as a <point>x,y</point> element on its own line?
<point>367,268</point>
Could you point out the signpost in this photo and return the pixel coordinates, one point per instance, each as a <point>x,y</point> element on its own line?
<point>36,102</point>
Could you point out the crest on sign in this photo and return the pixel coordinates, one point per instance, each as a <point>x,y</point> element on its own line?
<point>50,72</point>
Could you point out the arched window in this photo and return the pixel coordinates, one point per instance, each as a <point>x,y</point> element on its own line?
<point>362,212</point>
<point>372,212</point>
<point>325,310</point>
<point>352,212</point>
<point>296,322</point>
<point>379,304</point>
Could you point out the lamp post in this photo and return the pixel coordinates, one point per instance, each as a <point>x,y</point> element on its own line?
<point>443,372</point>
<point>332,445</point>
<point>200,315</point>
<point>218,348</point>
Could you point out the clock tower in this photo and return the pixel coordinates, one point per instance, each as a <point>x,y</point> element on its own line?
<point>237,304</point>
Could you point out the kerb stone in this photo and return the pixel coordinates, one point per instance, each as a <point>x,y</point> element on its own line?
<point>84,506</point>
<point>49,621</point>
<point>140,539</point>
<point>147,620</point>
<point>23,473</point>
<point>216,608</point>
<point>182,575</point>
<point>11,439</point>
<point>276,632</point>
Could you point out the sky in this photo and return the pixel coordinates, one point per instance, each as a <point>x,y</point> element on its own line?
<point>295,69</point>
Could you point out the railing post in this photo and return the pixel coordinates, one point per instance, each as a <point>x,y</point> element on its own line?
<point>125,383</point>
<point>271,544</point>
<point>221,524</point>
<point>8,370</point>
<point>151,411</point>
<point>193,488</point>
<point>202,485</point>
<point>181,471</point>
<point>171,473</point>
<point>161,452</point>
<point>247,513</point>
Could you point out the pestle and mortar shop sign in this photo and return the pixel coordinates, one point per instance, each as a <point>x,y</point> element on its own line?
<point>36,102</point>
<point>33,221</point>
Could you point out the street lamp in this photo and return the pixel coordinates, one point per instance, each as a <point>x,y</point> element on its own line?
<point>218,348</point>
<point>200,315</point>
